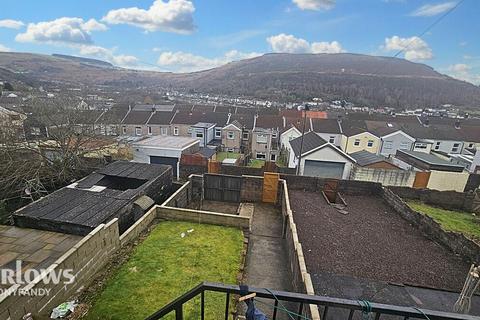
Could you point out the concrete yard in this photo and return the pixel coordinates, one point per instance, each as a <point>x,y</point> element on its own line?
<point>36,249</point>
<point>373,254</point>
<point>219,206</point>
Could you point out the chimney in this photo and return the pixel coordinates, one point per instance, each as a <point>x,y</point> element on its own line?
<point>426,122</point>
<point>457,124</point>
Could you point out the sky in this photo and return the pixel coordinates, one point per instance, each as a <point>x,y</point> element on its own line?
<point>190,35</point>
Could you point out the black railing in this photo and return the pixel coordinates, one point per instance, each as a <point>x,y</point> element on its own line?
<point>325,305</point>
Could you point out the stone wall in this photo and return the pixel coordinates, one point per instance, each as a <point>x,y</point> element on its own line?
<point>456,242</point>
<point>301,279</point>
<point>450,200</point>
<point>85,259</point>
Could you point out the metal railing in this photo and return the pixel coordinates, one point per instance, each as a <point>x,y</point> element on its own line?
<point>325,304</point>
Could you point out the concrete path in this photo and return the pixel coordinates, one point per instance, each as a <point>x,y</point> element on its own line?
<point>267,264</point>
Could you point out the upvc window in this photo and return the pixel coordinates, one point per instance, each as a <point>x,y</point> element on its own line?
<point>356,142</point>
<point>262,138</point>
<point>175,131</point>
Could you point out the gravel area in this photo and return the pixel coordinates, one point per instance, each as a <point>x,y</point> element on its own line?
<point>371,242</point>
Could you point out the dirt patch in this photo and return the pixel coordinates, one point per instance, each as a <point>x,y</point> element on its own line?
<point>371,242</point>
<point>219,206</point>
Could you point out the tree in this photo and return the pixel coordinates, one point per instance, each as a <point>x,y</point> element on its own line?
<point>7,86</point>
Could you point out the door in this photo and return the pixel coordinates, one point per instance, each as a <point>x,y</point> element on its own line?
<point>222,188</point>
<point>324,169</point>
<point>421,180</point>
<point>167,161</point>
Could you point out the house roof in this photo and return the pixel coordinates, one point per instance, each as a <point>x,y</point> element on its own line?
<point>365,158</point>
<point>207,152</point>
<point>191,118</point>
<point>269,122</point>
<point>311,141</point>
<point>353,127</point>
<point>137,117</point>
<point>326,126</point>
<point>161,118</point>
<point>434,162</point>
<point>236,124</point>
<point>167,142</point>
<point>151,107</point>
<point>246,120</point>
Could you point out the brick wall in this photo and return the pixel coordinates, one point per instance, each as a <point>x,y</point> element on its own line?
<point>456,242</point>
<point>86,258</point>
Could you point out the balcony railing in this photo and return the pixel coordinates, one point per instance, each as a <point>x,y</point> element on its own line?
<point>325,305</point>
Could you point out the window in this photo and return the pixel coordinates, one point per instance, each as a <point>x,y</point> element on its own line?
<point>421,146</point>
<point>405,145</point>
<point>150,130</point>
<point>138,131</point>
<point>260,155</point>
<point>331,139</point>
<point>370,143</point>
<point>218,133</point>
<point>273,157</point>
<point>230,135</point>
<point>245,136</point>
<point>175,131</point>
<point>124,130</point>
<point>274,134</point>
<point>357,142</point>
<point>388,145</point>
<point>189,130</point>
<point>470,146</point>
<point>199,135</point>
<point>262,138</point>
<point>163,131</point>
<point>437,145</point>
<point>230,150</point>
<point>35,131</point>
<point>455,147</point>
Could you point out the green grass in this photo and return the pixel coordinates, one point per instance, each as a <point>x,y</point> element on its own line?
<point>165,265</point>
<point>457,221</point>
<point>255,163</point>
<point>227,155</point>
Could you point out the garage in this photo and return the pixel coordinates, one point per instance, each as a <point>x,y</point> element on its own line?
<point>165,160</point>
<point>324,169</point>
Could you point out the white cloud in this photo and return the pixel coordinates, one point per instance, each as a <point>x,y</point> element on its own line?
<point>61,31</point>
<point>463,71</point>
<point>108,55</point>
<point>430,10</point>
<point>171,16</point>
<point>186,62</point>
<point>4,48</point>
<point>315,4</point>
<point>288,43</point>
<point>11,24</point>
<point>414,48</point>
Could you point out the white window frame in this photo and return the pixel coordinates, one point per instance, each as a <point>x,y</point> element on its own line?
<point>218,133</point>
<point>262,154</point>
<point>199,134</point>
<point>274,134</point>
<point>230,135</point>
<point>163,131</point>
<point>405,145</point>
<point>421,146</point>
<point>138,131</point>
<point>456,147</point>
<point>370,143</point>
<point>437,145</point>
<point>149,130</point>
<point>388,145</point>
<point>262,138</point>
<point>245,135</point>
<point>273,157</point>
<point>331,139</point>
<point>471,145</point>
<point>124,130</point>
<point>356,143</point>
<point>175,131</point>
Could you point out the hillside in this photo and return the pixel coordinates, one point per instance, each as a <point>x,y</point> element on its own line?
<point>286,77</point>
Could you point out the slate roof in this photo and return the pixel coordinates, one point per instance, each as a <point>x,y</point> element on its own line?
<point>365,158</point>
<point>353,127</point>
<point>161,118</point>
<point>311,141</point>
<point>326,126</point>
<point>245,119</point>
<point>137,117</point>
<point>269,122</point>
<point>191,118</point>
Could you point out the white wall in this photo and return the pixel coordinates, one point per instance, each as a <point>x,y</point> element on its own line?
<point>447,181</point>
<point>287,136</point>
<point>326,136</point>
<point>328,153</point>
<point>447,146</point>
<point>142,154</point>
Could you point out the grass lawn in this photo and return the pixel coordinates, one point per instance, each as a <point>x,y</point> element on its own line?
<point>165,265</point>
<point>255,163</point>
<point>227,155</point>
<point>458,221</point>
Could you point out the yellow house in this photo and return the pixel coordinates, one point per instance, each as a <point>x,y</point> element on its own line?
<point>355,137</point>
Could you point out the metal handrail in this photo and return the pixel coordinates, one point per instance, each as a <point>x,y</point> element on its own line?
<point>304,299</point>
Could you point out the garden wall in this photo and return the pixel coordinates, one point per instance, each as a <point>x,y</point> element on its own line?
<point>301,279</point>
<point>456,242</point>
<point>142,224</point>
<point>450,200</point>
<point>85,259</point>
<point>387,177</point>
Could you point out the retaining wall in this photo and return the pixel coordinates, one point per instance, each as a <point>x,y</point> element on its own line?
<point>387,177</point>
<point>301,279</point>
<point>450,200</point>
<point>85,259</point>
<point>456,242</point>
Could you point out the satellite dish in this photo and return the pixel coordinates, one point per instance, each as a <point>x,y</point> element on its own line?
<point>28,192</point>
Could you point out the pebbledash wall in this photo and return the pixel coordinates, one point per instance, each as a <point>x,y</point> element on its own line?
<point>454,241</point>
<point>86,258</point>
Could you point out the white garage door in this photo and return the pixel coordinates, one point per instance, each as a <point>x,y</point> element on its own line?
<point>324,169</point>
